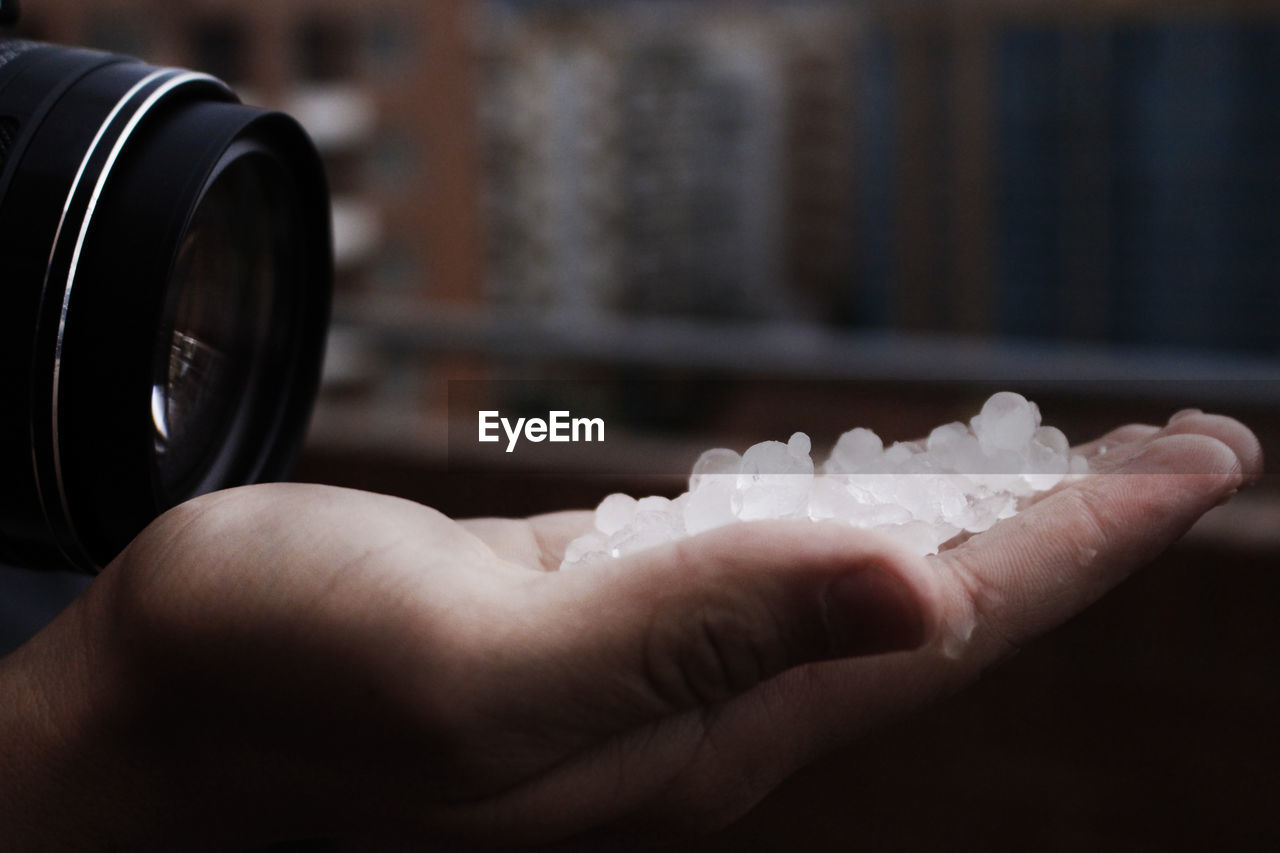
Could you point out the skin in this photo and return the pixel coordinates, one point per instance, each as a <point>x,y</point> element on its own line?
<point>298,661</point>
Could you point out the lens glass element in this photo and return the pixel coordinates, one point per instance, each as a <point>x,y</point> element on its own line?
<point>221,298</point>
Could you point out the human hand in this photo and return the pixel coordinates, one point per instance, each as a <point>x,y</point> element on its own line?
<point>285,661</point>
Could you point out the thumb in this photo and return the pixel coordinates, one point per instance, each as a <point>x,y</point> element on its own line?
<point>697,622</point>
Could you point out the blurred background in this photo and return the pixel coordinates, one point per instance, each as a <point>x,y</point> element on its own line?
<point>713,222</point>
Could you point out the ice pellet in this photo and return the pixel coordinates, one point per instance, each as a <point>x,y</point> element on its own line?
<point>614,513</point>
<point>964,478</point>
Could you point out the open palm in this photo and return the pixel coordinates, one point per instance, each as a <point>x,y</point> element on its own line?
<point>285,661</point>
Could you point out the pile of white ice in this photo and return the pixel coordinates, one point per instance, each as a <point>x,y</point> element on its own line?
<point>962,478</point>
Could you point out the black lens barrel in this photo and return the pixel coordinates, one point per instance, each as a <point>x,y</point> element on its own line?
<point>104,170</point>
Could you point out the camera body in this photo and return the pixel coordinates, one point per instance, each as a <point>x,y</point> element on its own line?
<point>165,278</point>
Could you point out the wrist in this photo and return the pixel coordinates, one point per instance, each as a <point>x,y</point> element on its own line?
<point>71,775</point>
<point>46,721</point>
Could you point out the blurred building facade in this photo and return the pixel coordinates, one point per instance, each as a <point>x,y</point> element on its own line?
<point>1095,172</point>
<point>665,158</point>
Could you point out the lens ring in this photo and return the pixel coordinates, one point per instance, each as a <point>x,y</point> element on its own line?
<point>63,273</point>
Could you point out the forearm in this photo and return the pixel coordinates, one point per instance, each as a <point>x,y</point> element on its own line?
<point>67,778</point>
<point>117,733</point>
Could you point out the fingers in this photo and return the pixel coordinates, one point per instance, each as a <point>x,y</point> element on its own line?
<point>620,664</point>
<point>1026,575</point>
<point>1235,435</point>
<point>1032,572</point>
<point>1110,451</point>
<point>694,623</point>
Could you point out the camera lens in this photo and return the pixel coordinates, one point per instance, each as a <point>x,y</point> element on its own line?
<point>167,267</point>
<point>221,285</point>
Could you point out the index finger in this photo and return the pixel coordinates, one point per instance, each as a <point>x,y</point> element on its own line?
<point>1034,571</point>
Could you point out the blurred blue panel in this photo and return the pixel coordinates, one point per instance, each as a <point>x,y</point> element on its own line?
<point>1197,194</point>
<point>870,301</point>
<point>1029,184</point>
